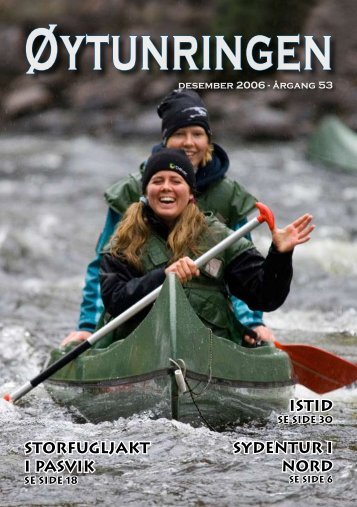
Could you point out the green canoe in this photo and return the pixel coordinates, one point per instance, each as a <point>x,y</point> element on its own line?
<point>334,144</point>
<point>228,383</point>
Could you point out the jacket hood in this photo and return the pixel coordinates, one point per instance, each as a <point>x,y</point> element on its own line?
<point>211,172</point>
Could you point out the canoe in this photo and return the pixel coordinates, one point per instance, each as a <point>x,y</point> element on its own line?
<point>334,144</point>
<point>227,383</point>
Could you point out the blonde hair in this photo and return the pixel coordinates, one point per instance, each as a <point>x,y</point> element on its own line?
<point>133,232</point>
<point>208,155</point>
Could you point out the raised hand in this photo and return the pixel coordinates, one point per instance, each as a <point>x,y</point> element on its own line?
<point>296,233</point>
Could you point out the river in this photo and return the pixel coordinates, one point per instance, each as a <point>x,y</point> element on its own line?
<point>51,213</point>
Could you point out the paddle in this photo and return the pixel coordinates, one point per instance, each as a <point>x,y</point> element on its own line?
<point>265,215</point>
<point>316,368</point>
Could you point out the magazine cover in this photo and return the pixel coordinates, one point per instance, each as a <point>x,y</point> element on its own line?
<point>178,257</point>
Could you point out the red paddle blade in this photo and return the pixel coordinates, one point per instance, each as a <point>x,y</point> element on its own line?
<point>318,369</point>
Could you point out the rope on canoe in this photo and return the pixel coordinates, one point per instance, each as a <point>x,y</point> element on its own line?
<point>194,394</point>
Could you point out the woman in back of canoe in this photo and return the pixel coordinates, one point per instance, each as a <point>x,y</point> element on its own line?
<point>166,231</point>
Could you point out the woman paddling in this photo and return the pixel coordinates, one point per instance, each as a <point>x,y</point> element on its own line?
<point>185,125</point>
<point>166,231</point>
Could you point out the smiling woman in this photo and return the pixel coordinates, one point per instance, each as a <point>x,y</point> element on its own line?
<point>194,140</point>
<point>166,232</point>
<point>168,195</point>
<point>168,184</point>
<point>169,190</point>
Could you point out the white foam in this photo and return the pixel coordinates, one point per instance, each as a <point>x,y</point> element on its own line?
<point>347,395</point>
<point>334,256</point>
<point>312,320</point>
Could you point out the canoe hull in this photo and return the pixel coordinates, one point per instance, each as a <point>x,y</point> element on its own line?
<point>228,383</point>
<point>220,405</point>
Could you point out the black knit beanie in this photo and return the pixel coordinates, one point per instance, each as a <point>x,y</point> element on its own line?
<point>168,159</point>
<point>182,108</point>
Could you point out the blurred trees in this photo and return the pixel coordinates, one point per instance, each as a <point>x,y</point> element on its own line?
<point>268,17</point>
<point>259,17</point>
